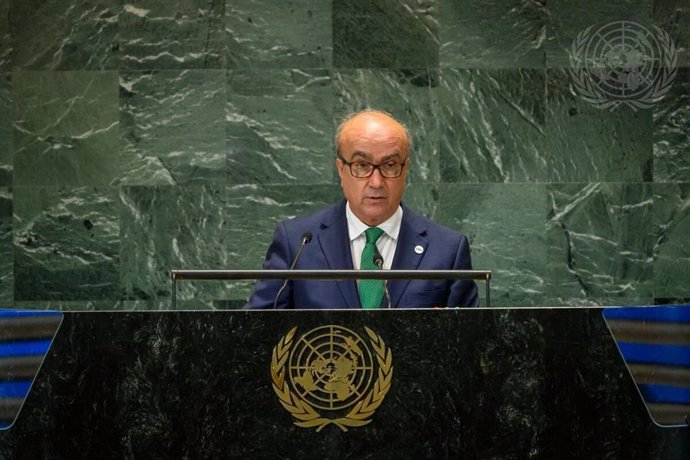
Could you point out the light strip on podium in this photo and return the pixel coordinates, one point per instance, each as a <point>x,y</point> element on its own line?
<point>25,338</point>
<point>655,345</point>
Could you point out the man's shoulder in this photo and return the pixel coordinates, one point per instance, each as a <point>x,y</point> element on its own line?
<point>431,227</point>
<point>315,220</point>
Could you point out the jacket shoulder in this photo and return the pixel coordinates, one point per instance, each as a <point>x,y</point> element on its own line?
<point>433,229</point>
<point>312,222</point>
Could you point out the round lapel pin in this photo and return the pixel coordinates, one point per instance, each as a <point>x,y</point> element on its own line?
<point>419,249</point>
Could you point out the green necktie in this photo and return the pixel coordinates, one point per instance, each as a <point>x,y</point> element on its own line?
<point>370,291</point>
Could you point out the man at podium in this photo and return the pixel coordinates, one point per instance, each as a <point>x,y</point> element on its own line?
<point>370,228</point>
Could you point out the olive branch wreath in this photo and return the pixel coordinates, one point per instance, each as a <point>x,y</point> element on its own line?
<point>308,417</point>
<point>588,90</point>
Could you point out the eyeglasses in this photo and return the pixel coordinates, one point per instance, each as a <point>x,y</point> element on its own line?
<point>363,169</point>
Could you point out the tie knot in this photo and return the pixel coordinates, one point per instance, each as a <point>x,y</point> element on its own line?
<point>373,234</point>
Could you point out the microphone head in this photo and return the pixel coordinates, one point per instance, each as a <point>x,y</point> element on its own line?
<point>306,237</point>
<point>378,260</point>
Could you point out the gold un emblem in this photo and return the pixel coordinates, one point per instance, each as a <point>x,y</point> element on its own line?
<point>330,376</point>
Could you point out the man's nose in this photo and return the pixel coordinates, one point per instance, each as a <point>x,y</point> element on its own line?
<point>376,179</point>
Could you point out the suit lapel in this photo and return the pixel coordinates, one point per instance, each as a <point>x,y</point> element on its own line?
<point>408,256</point>
<point>335,245</point>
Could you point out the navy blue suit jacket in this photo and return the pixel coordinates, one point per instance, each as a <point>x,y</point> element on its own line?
<point>444,249</point>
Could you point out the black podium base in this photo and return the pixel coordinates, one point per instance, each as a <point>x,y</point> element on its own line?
<point>520,383</point>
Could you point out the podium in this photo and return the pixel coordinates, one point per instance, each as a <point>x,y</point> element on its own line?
<point>464,383</point>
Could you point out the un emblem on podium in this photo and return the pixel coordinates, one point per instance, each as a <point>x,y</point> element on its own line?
<point>329,375</point>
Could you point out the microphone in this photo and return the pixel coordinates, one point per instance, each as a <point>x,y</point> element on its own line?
<point>304,240</point>
<point>378,261</point>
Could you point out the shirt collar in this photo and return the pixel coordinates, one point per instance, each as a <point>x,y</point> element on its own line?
<point>390,227</point>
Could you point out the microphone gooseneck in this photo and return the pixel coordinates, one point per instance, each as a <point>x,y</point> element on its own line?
<point>304,240</point>
<point>378,261</point>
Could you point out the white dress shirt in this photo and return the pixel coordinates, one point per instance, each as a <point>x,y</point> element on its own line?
<point>386,243</point>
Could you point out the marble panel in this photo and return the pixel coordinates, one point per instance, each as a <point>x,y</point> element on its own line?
<point>280,127</point>
<point>497,34</point>
<point>424,199</point>
<point>5,36</point>
<point>66,243</point>
<point>492,125</point>
<point>673,16</point>
<point>6,266</point>
<point>148,216</point>
<point>600,244</point>
<point>6,256</point>
<point>59,35</point>
<point>672,241</point>
<point>505,224</point>
<point>172,34</point>
<point>567,19</point>
<point>386,33</point>
<point>270,34</point>
<point>6,204</point>
<point>584,143</point>
<point>671,128</point>
<point>172,126</point>
<point>205,227</point>
<point>66,128</point>
<point>6,121</point>
<point>407,95</point>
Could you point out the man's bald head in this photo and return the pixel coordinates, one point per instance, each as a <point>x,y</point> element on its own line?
<point>367,120</point>
<point>367,142</point>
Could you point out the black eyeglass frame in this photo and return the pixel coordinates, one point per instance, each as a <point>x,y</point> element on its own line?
<point>374,167</point>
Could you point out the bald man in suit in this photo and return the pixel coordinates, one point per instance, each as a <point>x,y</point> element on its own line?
<point>372,162</point>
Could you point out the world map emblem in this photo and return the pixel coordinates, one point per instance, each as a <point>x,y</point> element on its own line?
<point>623,63</point>
<point>331,375</point>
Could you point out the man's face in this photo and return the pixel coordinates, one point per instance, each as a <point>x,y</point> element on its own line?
<point>377,139</point>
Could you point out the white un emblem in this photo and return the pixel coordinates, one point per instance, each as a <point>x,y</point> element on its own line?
<point>623,63</point>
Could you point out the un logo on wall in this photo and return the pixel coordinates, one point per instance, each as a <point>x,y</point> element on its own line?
<point>623,63</point>
<point>329,375</point>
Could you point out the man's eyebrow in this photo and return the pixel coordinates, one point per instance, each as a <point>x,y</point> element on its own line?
<point>393,156</point>
<point>365,156</point>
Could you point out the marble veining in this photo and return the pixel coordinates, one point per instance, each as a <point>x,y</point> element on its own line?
<point>6,137</point>
<point>492,126</point>
<point>172,127</point>
<point>279,128</point>
<point>671,127</point>
<point>671,250</point>
<point>268,34</point>
<point>386,33</point>
<point>178,34</point>
<point>65,129</point>
<point>57,35</point>
<point>599,248</point>
<point>498,35</point>
<point>180,128</point>
<point>484,212</point>
<point>6,255</point>
<point>66,237</point>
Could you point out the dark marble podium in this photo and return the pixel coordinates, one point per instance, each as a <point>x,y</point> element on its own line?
<point>482,383</point>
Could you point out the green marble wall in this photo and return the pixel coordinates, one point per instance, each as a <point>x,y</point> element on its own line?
<point>141,136</point>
